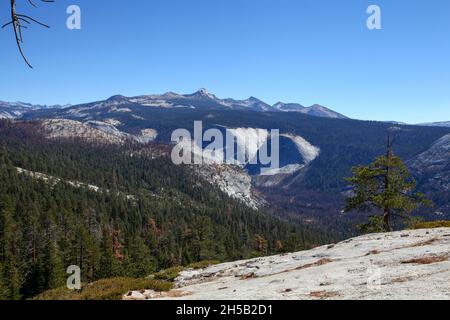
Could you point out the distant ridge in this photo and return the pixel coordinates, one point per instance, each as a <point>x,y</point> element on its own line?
<point>436,124</point>
<point>201,100</point>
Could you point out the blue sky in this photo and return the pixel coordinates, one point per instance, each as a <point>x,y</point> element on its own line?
<point>306,51</point>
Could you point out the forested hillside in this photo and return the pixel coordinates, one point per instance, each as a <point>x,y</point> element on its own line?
<point>145,215</point>
<point>314,195</point>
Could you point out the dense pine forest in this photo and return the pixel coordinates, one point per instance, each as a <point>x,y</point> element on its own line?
<point>144,214</point>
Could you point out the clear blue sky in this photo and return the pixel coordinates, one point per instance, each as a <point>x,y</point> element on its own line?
<point>306,51</point>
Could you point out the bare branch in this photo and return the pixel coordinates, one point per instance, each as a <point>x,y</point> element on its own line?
<point>17,22</point>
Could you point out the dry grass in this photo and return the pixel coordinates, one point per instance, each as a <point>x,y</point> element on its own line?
<point>432,225</point>
<point>423,243</point>
<point>325,284</point>
<point>250,275</point>
<point>324,294</point>
<point>402,279</point>
<point>202,264</point>
<point>373,252</point>
<point>177,294</point>
<point>108,289</point>
<point>427,260</point>
<point>319,263</point>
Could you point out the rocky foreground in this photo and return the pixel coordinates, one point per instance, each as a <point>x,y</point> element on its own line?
<point>400,265</point>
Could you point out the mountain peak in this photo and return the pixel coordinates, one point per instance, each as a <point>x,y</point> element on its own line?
<point>321,111</point>
<point>281,106</point>
<point>170,94</point>
<point>252,98</point>
<point>202,92</point>
<point>117,98</point>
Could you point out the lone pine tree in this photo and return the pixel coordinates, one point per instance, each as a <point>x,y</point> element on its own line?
<point>384,186</point>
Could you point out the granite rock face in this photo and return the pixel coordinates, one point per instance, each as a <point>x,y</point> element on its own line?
<point>399,265</point>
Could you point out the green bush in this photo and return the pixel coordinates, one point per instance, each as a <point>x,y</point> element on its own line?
<point>202,264</point>
<point>168,274</point>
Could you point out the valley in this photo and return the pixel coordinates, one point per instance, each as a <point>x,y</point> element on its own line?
<point>116,210</point>
<point>94,184</point>
<point>317,152</point>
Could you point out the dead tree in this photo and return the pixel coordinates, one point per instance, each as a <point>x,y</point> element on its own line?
<point>22,21</point>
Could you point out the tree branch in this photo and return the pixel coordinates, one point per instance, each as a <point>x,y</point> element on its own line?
<point>17,22</point>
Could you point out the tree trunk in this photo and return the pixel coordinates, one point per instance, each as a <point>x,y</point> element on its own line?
<point>386,220</point>
<point>387,212</point>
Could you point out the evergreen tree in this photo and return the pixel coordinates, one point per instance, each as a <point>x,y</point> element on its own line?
<point>9,250</point>
<point>386,186</point>
<point>54,270</point>
<point>108,266</point>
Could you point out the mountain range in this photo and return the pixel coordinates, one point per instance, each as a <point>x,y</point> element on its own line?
<point>14,110</point>
<point>200,100</point>
<point>437,124</point>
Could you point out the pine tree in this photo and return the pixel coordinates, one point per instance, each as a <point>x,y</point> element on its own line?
<point>3,289</point>
<point>386,186</point>
<point>107,262</point>
<point>9,250</point>
<point>55,272</point>
<point>140,262</point>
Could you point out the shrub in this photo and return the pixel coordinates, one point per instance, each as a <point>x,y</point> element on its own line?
<point>203,264</point>
<point>168,274</point>
<point>107,289</point>
<point>431,225</point>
